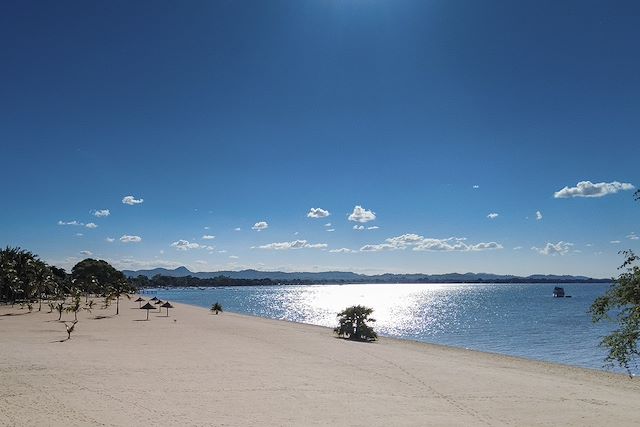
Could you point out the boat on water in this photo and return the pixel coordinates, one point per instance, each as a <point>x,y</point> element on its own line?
<point>558,292</point>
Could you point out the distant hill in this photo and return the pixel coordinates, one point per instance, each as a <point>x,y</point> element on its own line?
<point>349,277</point>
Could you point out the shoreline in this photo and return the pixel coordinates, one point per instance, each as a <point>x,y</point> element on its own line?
<point>196,368</point>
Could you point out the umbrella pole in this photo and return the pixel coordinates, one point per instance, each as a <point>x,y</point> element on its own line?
<point>147,314</point>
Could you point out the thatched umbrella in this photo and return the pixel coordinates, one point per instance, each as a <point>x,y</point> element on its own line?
<point>154,299</point>
<point>167,305</point>
<point>147,307</point>
<point>140,300</point>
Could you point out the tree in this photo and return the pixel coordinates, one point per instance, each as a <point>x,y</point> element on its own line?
<point>622,300</point>
<point>75,305</point>
<point>353,323</point>
<point>217,307</point>
<point>116,290</point>
<point>60,308</point>
<point>93,276</point>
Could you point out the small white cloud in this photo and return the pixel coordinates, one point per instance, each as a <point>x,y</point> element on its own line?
<point>589,189</point>
<point>233,257</point>
<point>185,245</point>
<point>358,227</point>
<point>206,228</point>
<point>208,237</point>
<point>493,215</point>
<point>259,226</point>
<point>237,229</point>
<point>328,224</point>
<point>589,245</point>
<point>539,216</point>
<point>130,200</point>
<point>296,244</point>
<point>86,253</point>
<point>362,215</point>
<point>130,239</point>
<point>632,236</point>
<point>296,233</point>
<point>79,234</point>
<point>102,213</point>
<point>560,248</point>
<point>373,227</point>
<point>91,225</point>
<point>110,239</point>
<point>577,251</point>
<point>517,248</point>
<point>74,222</point>
<point>342,251</point>
<point>614,242</point>
<point>330,230</point>
<point>223,251</point>
<point>318,213</point>
<point>475,187</point>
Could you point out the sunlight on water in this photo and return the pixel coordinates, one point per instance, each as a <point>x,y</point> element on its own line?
<point>514,319</point>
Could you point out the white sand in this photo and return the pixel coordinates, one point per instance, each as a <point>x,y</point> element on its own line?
<point>195,368</point>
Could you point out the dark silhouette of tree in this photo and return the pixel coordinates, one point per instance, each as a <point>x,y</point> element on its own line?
<point>353,323</point>
<point>217,307</point>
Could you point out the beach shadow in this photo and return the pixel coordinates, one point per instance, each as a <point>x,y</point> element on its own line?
<point>354,341</point>
<point>140,320</point>
<point>66,339</point>
<point>102,317</point>
<point>13,314</point>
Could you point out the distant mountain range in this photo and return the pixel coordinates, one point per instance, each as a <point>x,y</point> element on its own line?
<point>349,277</point>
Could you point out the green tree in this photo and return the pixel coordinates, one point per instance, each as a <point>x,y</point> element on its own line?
<point>621,303</point>
<point>93,276</point>
<point>353,323</point>
<point>116,290</point>
<point>217,307</point>
<point>75,306</point>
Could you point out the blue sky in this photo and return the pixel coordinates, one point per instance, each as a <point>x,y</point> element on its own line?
<point>429,114</point>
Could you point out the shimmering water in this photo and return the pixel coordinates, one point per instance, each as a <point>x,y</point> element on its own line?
<point>514,319</point>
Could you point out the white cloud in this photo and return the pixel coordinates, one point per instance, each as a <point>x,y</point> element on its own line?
<point>110,239</point>
<point>373,227</point>
<point>208,237</point>
<point>420,243</point>
<point>475,187</point>
<point>296,244</point>
<point>222,251</point>
<point>130,200</point>
<point>360,214</point>
<point>185,245</point>
<point>130,239</point>
<point>493,215</point>
<point>342,251</point>
<point>358,227</point>
<point>91,225</point>
<point>330,230</point>
<point>517,248</point>
<point>589,189</point>
<point>102,213</point>
<point>328,224</point>
<point>74,222</point>
<point>86,253</point>
<point>259,226</point>
<point>318,213</point>
<point>79,234</point>
<point>632,236</point>
<point>206,227</point>
<point>614,242</point>
<point>237,229</point>
<point>560,248</point>
<point>538,215</point>
<point>234,256</point>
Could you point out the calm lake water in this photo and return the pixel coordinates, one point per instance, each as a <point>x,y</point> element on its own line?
<point>514,319</point>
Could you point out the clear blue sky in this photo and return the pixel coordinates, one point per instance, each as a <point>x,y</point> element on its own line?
<point>226,114</point>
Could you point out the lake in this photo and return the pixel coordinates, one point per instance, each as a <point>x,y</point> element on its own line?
<point>513,319</point>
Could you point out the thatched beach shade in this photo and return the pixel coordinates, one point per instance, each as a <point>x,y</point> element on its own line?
<point>154,299</point>
<point>158,304</point>
<point>140,300</point>
<point>147,307</point>
<point>167,305</point>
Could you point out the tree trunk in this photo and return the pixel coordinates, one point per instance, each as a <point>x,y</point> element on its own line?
<point>118,304</point>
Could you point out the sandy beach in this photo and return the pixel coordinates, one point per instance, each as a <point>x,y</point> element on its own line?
<point>195,368</point>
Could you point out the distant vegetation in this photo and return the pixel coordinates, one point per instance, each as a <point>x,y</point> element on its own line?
<point>159,281</point>
<point>217,307</point>
<point>354,324</point>
<point>25,279</point>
